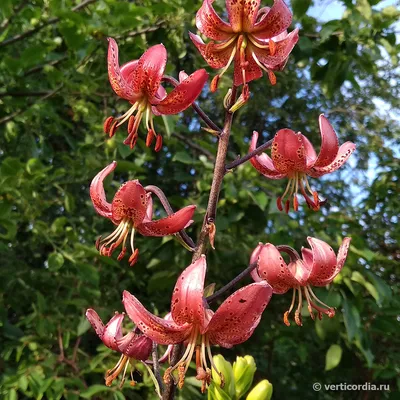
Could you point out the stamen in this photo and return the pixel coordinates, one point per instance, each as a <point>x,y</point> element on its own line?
<point>317,299</point>
<point>181,375</point>
<point>272,47</point>
<point>310,310</point>
<point>150,137</point>
<point>133,258</point>
<point>210,357</point>
<point>214,84</point>
<point>286,315</point>
<point>306,197</point>
<point>279,203</point>
<point>272,77</point>
<point>226,67</point>
<point>131,123</point>
<point>167,376</point>
<point>113,129</point>
<point>123,118</point>
<point>158,145</point>
<point>113,373</point>
<point>297,315</point>
<point>287,206</point>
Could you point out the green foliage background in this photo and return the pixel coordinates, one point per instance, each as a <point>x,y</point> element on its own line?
<point>54,97</point>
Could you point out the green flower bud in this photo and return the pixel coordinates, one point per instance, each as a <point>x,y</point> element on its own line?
<point>262,391</point>
<point>243,371</point>
<point>225,368</point>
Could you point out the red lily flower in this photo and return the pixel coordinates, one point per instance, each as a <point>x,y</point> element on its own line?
<point>254,39</point>
<point>318,267</point>
<point>139,82</point>
<point>193,323</point>
<point>294,157</point>
<point>133,346</point>
<point>131,210</point>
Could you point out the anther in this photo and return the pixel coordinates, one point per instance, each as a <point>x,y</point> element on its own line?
<point>287,206</point>
<point>181,375</point>
<point>272,77</point>
<point>107,124</point>
<point>295,203</point>
<point>158,145</point>
<point>131,123</point>
<point>272,47</point>
<point>150,137</point>
<point>133,258</point>
<point>297,318</point>
<point>113,129</point>
<point>286,318</point>
<point>214,83</point>
<point>167,376</point>
<point>279,203</point>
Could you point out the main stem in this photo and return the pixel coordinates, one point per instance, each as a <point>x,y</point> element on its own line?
<point>219,172</point>
<point>209,218</point>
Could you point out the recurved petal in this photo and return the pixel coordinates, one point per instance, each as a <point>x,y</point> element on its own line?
<point>237,317</point>
<point>120,86</point>
<point>342,254</point>
<point>113,331</point>
<point>288,152</point>
<point>97,194</point>
<point>310,153</point>
<point>262,162</point>
<point>329,143</point>
<point>150,70</point>
<point>323,263</point>
<point>169,225</point>
<point>242,14</point>
<point>273,269</point>
<point>130,201</point>
<point>283,49</point>
<point>135,346</point>
<point>210,24</point>
<point>216,55</point>
<point>156,328</point>
<point>187,298</point>
<point>184,94</point>
<point>95,321</point>
<point>275,21</point>
<point>254,258</point>
<point>345,151</point>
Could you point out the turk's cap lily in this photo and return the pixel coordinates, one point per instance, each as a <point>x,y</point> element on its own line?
<point>133,346</point>
<point>139,82</point>
<point>255,39</point>
<point>294,157</point>
<point>317,267</point>
<point>132,210</point>
<point>192,322</point>
<point>137,346</point>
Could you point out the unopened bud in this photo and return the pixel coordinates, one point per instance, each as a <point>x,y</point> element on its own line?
<point>226,382</point>
<point>243,370</point>
<point>262,391</point>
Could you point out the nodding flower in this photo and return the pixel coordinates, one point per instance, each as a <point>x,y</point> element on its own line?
<point>191,321</point>
<point>133,346</point>
<point>132,210</point>
<point>317,267</point>
<point>294,157</point>
<point>255,40</point>
<point>139,82</point>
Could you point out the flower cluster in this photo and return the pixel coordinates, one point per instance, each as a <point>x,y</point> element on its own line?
<point>255,40</point>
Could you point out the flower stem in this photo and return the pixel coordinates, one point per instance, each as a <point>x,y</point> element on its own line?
<point>247,157</point>
<point>232,283</point>
<point>195,106</point>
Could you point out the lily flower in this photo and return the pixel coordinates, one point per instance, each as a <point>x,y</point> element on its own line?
<point>255,40</point>
<point>139,82</point>
<point>294,157</point>
<point>318,267</point>
<point>133,346</point>
<point>193,323</point>
<point>132,210</point>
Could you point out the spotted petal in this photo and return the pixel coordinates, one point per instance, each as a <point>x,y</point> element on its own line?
<point>97,194</point>
<point>184,94</point>
<point>109,333</point>
<point>169,225</point>
<point>187,298</point>
<point>274,22</point>
<point>273,269</point>
<point>150,70</point>
<point>345,151</point>
<point>137,346</point>
<point>159,330</point>
<point>323,262</point>
<point>117,80</point>
<point>210,24</point>
<point>238,316</point>
<point>130,202</point>
<point>329,143</point>
<point>242,14</point>
<point>262,162</point>
<point>288,152</point>
<point>283,49</point>
<point>216,55</point>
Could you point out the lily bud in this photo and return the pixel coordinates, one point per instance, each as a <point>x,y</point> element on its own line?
<point>225,368</point>
<point>262,391</point>
<point>243,371</point>
<point>216,393</point>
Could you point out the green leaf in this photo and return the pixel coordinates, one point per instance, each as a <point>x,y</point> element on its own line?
<point>333,357</point>
<point>83,326</point>
<point>328,29</point>
<point>182,157</point>
<point>95,389</point>
<point>300,7</point>
<point>55,261</point>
